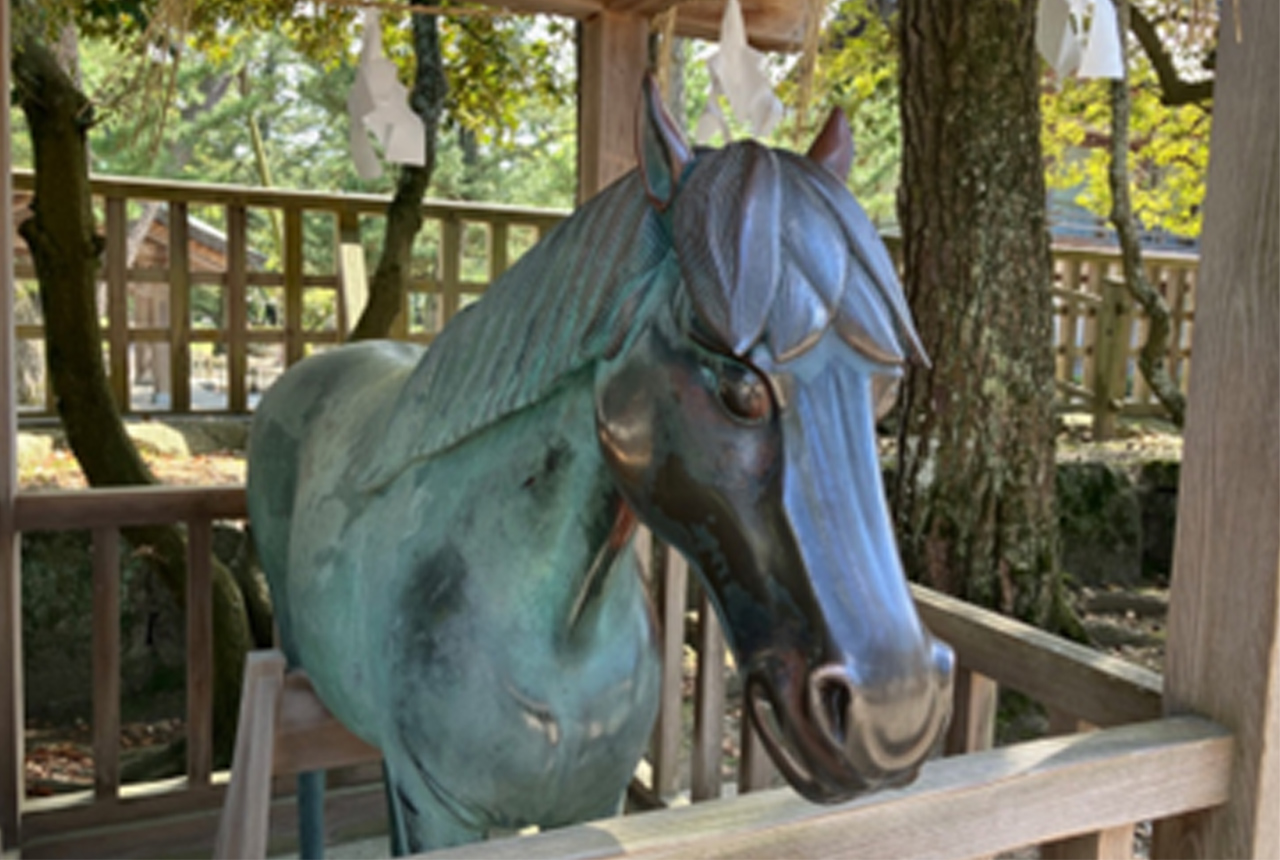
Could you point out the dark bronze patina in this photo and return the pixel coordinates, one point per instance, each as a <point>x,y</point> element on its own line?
<point>447,533</point>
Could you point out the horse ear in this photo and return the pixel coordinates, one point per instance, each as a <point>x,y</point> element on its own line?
<point>661,147</point>
<point>833,147</point>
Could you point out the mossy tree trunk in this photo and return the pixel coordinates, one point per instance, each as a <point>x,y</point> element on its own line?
<point>390,280</point>
<point>973,495</point>
<point>66,251</point>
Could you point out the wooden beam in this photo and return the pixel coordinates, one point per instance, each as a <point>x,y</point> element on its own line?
<point>613,54</point>
<point>11,707</point>
<point>1223,653</point>
<point>965,806</point>
<point>133,506</point>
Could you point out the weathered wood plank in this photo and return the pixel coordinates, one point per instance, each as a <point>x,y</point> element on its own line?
<point>1223,650</point>
<point>353,279</point>
<point>179,307</point>
<point>1114,843</point>
<point>117,300</point>
<point>243,827</point>
<point>132,506</point>
<point>106,661</point>
<point>1102,689</point>
<point>140,831</point>
<point>755,769</point>
<point>708,705</point>
<point>613,58</point>
<point>451,266</point>
<point>293,276</point>
<point>1058,786</point>
<point>237,308</point>
<point>199,651</point>
<point>672,572</point>
<point>308,737</point>
<point>498,263</point>
<point>973,720</point>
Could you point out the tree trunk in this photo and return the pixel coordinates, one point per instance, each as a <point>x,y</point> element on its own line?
<point>404,214</point>
<point>1152,360</point>
<point>65,250</point>
<point>973,495</point>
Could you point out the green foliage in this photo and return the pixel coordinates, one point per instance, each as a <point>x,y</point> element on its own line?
<point>1168,157</point>
<point>857,71</point>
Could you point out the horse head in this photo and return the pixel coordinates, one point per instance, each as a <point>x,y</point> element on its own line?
<point>739,426</point>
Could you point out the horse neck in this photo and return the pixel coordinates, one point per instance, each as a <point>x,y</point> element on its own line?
<point>558,503</point>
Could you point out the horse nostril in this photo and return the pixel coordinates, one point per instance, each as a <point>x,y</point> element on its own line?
<point>832,693</point>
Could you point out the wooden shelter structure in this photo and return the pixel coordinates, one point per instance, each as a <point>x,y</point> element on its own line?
<point>1210,769</point>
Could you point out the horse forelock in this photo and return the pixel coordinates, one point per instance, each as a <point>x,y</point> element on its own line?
<point>773,249</point>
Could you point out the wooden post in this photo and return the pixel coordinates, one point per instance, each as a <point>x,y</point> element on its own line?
<point>352,277</point>
<point>179,309</point>
<point>1223,657</point>
<point>199,652</point>
<point>755,768</point>
<point>237,307</point>
<point>708,705</point>
<point>1110,349</point>
<point>672,575</point>
<point>106,662</point>
<point>450,268</point>
<point>294,347</point>
<point>11,707</point>
<point>118,301</point>
<point>613,54</point>
<point>973,722</point>
<point>1114,843</point>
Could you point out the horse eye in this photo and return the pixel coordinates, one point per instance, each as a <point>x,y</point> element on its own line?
<point>743,392</point>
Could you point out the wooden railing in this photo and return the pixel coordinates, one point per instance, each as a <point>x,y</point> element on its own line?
<point>1136,767</point>
<point>303,299</point>
<point>166,354</point>
<point>1099,331</point>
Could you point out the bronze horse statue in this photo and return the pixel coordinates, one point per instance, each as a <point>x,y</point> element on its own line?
<point>447,532</point>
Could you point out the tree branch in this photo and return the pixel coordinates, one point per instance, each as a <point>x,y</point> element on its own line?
<point>1174,91</point>
<point>1152,358</point>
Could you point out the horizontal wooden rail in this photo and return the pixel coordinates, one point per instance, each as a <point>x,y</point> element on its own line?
<point>1097,328</point>
<point>59,510</point>
<point>1038,791</point>
<point>1092,686</point>
<point>208,193</point>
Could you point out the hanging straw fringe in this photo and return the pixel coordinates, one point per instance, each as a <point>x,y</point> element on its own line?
<point>664,24</point>
<point>808,66</point>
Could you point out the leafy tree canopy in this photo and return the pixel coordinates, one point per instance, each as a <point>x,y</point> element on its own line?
<point>151,65</point>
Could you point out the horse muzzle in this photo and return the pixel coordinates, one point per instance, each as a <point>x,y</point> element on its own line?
<point>835,734</point>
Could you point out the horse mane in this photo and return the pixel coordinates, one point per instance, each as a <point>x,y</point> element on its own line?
<point>769,245</point>
<point>568,301</point>
<point>773,248</point>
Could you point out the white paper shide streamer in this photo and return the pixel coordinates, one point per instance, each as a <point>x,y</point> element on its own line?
<point>379,105</point>
<point>737,73</point>
<point>1080,37</point>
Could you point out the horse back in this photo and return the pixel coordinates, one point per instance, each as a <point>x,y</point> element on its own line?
<point>311,407</point>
